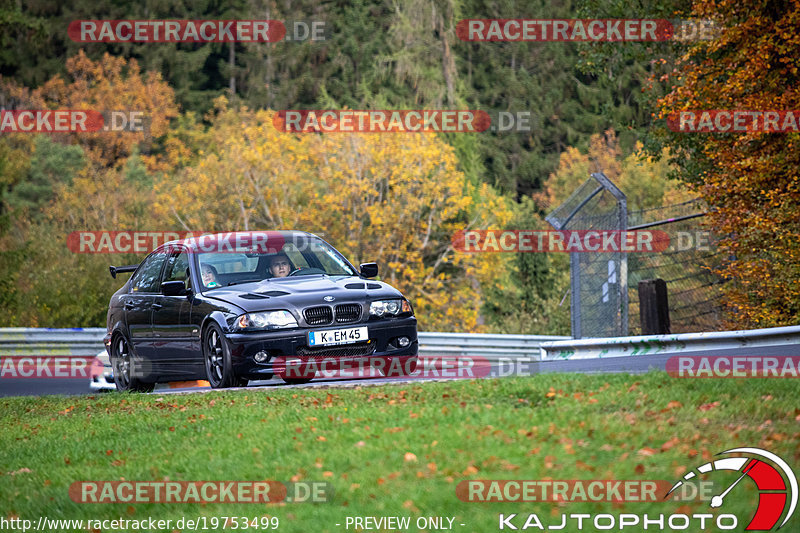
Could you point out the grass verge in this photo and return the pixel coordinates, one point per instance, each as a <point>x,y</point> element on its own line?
<point>397,450</point>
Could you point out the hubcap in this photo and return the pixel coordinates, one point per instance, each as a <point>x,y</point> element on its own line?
<point>214,358</point>
<point>122,363</point>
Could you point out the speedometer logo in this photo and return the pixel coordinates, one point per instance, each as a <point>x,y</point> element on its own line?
<point>777,485</point>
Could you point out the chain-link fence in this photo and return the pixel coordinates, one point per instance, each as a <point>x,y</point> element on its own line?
<point>598,280</point>
<point>686,266</point>
<point>604,300</point>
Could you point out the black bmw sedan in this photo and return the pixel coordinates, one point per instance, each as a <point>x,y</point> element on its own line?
<point>242,306</point>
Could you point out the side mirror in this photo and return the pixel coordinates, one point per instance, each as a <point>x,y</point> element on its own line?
<point>173,288</point>
<point>369,270</point>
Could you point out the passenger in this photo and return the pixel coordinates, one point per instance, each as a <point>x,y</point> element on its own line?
<point>209,275</point>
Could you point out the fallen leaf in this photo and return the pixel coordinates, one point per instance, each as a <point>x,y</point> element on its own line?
<point>708,406</point>
<point>410,457</point>
<point>470,470</point>
<point>670,443</point>
<point>408,504</point>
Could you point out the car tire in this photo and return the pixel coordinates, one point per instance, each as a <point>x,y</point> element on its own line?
<point>217,358</point>
<point>124,367</point>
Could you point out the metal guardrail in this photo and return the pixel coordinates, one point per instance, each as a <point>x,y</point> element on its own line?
<point>76,342</point>
<point>490,346</point>
<point>678,343</point>
<point>87,342</point>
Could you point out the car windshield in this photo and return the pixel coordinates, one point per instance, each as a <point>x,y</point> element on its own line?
<point>294,259</point>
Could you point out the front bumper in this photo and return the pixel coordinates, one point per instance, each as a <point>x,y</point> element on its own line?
<point>293,345</point>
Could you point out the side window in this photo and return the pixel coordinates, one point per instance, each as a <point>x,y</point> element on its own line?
<point>147,277</point>
<point>176,267</point>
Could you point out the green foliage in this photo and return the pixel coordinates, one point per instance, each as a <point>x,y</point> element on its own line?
<point>52,163</point>
<point>529,296</point>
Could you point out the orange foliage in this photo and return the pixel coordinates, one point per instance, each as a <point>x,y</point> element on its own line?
<point>393,198</point>
<point>110,84</point>
<point>752,179</point>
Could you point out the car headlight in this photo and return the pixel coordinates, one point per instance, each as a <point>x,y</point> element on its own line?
<point>267,320</point>
<point>394,307</point>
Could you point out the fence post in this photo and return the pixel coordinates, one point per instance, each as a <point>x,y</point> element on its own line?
<point>653,307</point>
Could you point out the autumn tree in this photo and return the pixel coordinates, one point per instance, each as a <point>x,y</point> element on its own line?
<point>533,298</point>
<point>645,180</point>
<point>750,179</point>
<point>109,84</point>
<point>393,198</point>
<point>54,184</point>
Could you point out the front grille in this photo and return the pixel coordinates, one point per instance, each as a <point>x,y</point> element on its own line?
<point>318,316</point>
<point>349,350</point>
<point>347,313</point>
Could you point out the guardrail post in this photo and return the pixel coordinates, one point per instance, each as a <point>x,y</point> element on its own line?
<point>653,307</point>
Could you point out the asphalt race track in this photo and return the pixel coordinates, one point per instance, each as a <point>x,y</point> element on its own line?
<point>631,364</point>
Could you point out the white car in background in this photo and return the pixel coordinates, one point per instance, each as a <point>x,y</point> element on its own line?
<point>102,381</point>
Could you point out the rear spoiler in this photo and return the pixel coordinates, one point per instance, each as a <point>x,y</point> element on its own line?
<point>121,269</point>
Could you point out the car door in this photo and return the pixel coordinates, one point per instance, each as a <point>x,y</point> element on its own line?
<point>138,306</point>
<point>172,326</point>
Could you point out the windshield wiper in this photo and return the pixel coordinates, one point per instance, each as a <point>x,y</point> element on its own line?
<point>237,282</point>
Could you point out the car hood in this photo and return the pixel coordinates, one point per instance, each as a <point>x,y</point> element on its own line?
<point>301,292</point>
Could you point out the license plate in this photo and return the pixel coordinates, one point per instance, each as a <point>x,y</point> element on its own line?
<point>338,336</point>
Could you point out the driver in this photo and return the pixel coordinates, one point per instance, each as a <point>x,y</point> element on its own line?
<point>207,272</point>
<point>279,266</point>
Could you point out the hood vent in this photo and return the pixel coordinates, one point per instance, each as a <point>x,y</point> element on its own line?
<point>275,293</point>
<point>373,286</point>
<point>250,296</point>
<point>354,286</point>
